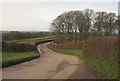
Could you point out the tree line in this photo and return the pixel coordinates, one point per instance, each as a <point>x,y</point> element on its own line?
<point>79,25</point>
<point>16,35</point>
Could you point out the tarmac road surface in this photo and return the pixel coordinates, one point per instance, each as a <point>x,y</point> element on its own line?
<point>50,65</point>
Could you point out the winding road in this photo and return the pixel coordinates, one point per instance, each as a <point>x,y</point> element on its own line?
<point>50,65</point>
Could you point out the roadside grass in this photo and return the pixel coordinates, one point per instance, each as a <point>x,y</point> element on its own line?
<point>12,58</point>
<point>65,51</point>
<point>106,70</point>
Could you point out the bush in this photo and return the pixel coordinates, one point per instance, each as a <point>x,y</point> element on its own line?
<point>103,48</point>
<point>69,45</point>
<point>43,41</point>
<point>18,47</point>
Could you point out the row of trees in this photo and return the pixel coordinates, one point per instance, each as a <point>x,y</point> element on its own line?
<point>74,25</point>
<point>94,33</point>
<point>15,35</point>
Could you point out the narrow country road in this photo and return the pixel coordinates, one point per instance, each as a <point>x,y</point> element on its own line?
<point>50,65</point>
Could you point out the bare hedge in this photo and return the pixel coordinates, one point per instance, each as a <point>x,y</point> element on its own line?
<point>18,47</point>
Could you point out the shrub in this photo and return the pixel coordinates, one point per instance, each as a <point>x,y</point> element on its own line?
<point>18,47</point>
<point>69,45</point>
<point>103,48</point>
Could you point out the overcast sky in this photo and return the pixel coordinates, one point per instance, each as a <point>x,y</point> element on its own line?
<point>37,16</point>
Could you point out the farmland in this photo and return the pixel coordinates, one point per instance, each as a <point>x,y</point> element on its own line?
<point>81,44</point>
<point>33,40</point>
<point>18,51</point>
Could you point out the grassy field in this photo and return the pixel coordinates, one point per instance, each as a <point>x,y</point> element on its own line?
<point>11,58</point>
<point>39,38</point>
<point>106,70</point>
<point>32,40</point>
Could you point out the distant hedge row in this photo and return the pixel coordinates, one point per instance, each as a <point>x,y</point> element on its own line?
<point>17,47</point>
<point>43,41</point>
<point>16,35</point>
<point>77,45</point>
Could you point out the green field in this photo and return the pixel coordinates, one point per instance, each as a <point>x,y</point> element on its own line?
<point>32,40</point>
<point>106,70</point>
<point>11,58</point>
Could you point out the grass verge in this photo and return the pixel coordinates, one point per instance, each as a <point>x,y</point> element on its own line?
<point>65,51</point>
<point>106,70</point>
<point>12,58</point>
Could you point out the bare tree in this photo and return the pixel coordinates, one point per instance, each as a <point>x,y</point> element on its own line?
<point>78,25</point>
